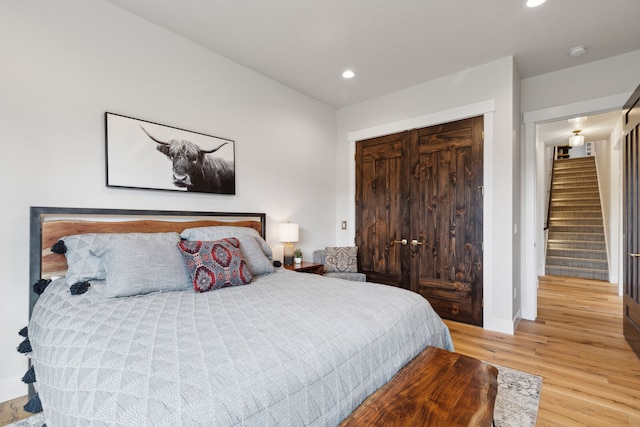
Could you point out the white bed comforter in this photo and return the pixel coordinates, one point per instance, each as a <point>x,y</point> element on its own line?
<point>289,349</point>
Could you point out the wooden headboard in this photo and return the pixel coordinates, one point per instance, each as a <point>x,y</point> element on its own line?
<point>49,224</point>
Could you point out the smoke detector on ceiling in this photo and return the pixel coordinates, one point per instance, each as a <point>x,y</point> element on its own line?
<point>577,51</point>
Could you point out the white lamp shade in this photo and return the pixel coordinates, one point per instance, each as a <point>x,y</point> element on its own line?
<point>288,232</point>
<point>576,140</point>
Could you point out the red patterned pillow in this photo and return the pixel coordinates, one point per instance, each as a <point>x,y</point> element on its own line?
<point>215,265</point>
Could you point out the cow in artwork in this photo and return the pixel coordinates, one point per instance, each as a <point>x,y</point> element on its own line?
<point>195,169</point>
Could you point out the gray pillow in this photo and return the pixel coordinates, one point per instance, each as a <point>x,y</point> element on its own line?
<point>137,267</point>
<point>84,265</point>
<point>252,254</point>
<point>341,259</point>
<point>223,232</point>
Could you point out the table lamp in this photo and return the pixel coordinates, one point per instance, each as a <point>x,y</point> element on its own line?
<point>288,234</point>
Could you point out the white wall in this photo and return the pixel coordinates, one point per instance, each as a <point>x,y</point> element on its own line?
<point>606,158</point>
<point>67,62</point>
<point>599,79</point>
<point>614,203</point>
<point>493,81</point>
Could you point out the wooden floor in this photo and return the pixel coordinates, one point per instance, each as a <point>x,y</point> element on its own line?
<point>591,377</point>
<point>590,374</point>
<point>12,411</point>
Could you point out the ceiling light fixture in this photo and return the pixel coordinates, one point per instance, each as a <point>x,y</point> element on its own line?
<point>576,140</point>
<point>577,51</point>
<point>348,74</point>
<point>534,3</point>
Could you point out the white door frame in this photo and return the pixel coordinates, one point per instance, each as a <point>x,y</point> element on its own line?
<point>531,210</point>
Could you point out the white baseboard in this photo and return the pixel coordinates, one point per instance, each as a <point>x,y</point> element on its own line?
<point>11,388</point>
<point>516,320</point>
<point>500,325</point>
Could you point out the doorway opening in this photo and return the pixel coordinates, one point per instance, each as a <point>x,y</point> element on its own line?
<point>536,162</point>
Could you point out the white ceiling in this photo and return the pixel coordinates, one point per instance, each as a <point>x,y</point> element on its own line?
<point>394,44</point>
<point>596,128</point>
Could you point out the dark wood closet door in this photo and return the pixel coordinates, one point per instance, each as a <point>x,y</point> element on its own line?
<point>419,214</point>
<point>631,297</point>
<point>381,209</point>
<point>446,218</point>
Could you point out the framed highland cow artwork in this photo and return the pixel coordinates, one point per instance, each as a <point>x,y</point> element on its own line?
<point>147,155</point>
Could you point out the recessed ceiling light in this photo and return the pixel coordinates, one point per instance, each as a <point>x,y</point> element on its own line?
<point>577,51</point>
<point>534,3</point>
<point>348,74</point>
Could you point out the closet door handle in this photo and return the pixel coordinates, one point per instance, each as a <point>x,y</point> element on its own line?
<point>635,255</point>
<point>414,242</point>
<point>402,242</point>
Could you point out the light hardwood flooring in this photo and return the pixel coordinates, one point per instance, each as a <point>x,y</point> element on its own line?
<point>591,377</point>
<point>12,411</point>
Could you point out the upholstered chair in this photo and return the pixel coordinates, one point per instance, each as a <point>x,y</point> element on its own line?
<point>340,262</point>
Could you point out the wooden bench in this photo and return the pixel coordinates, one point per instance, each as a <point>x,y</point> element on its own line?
<point>437,388</point>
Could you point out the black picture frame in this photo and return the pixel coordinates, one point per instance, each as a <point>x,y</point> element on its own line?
<point>151,156</point>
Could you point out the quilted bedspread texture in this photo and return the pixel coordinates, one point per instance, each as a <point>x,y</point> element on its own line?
<point>289,349</point>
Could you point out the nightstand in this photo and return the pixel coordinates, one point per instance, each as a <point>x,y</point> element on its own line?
<point>306,267</point>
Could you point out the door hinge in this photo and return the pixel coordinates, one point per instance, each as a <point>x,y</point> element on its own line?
<point>483,135</point>
<point>481,188</point>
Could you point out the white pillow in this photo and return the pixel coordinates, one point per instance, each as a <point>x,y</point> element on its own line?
<point>224,231</point>
<point>252,254</point>
<point>137,267</point>
<point>84,265</point>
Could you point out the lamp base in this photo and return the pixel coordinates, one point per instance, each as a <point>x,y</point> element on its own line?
<point>288,253</point>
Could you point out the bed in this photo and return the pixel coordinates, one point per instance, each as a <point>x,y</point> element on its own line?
<point>285,349</point>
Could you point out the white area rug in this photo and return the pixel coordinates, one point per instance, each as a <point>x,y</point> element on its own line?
<point>518,398</point>
<point>517,401</point>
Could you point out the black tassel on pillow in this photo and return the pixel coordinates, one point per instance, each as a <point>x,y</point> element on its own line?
<point>59,248</point>
<point>33,405</point>
<point>79,288</point>
<point>40,286</point>
<point>30,376</point>
<point>25,346</point>
<point>24,332</point>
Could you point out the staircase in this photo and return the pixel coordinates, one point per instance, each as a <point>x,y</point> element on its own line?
<point>576,245</point>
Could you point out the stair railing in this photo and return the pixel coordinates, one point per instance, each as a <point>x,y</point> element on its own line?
<point>553,159</point>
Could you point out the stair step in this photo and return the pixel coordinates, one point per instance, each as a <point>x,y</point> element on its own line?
<point>573,189</point>
<point>582,237</point>
<point>567,163</point>
<point>574,198</point>
<point>577,229</point>
<point>577,167</point>
<point>573,186</point>
<point>578,253</point>
<point>575,221</point>
<point>566,177</point>
<point>578,207</point>
<point>583,273</point>
<point>586,172</point>
<point>574,262</point>
<point>572,245</point>
<point>569,214</point>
